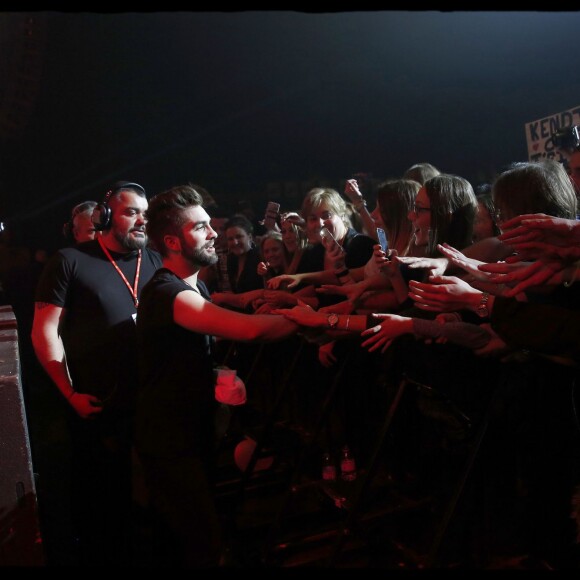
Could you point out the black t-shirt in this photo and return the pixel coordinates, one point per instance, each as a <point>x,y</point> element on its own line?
<point>98,330</point>
<point>249,279</point>
<point>358,248</point>
<point>176,402</point>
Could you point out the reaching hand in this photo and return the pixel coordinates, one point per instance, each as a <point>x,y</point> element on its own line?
<point>383,334</point>
<point>303,315</point>
<point>264,309</point>
<point>436,265</point>
<point>351,291</point>
<point>279,298</point>
<point>540,236</point>
<point>542,228</point>
<point>524,275</point>
<point>275,282</point>
<point>325,356</point>
<point>460,260</point>
<point>545,251</point>
<point>257,303</point>
<point>443,294</point>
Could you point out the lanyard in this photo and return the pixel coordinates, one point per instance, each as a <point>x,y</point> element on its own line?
<point>134,289</point>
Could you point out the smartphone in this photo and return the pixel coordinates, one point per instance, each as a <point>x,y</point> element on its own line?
<point>272,211</point>
<point>383,239</point>
<point>328,240</point>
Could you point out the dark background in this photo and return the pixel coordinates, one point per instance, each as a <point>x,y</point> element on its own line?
<point>264,104</point>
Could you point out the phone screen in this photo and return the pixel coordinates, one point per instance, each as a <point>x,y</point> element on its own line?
<point>383,239</point>
<point>328,239</point>
<point>272,210</point>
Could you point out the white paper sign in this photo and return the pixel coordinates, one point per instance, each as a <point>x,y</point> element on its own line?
<point>539,134</point>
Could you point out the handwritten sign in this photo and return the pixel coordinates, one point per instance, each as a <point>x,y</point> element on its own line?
<point>539,134</point>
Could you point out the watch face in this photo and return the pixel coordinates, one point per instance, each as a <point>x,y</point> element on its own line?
<point>333,320</point>
<point>482,311</point>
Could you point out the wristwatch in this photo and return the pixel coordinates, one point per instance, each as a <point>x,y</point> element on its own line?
<point>482,309</point>
<point>332,320</point>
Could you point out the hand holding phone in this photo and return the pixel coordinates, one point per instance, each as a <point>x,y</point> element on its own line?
<point>352,191</point>
<point>328,240</point>
<point>272,211</point>
<point>383,239</point>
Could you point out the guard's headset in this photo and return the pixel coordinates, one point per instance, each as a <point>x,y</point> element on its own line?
<point>102,213</point>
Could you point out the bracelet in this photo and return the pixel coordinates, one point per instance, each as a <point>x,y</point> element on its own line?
<point>569,283</point>
<point>347,322</point>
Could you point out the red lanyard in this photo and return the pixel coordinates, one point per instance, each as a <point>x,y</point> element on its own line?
<point>134,289</point>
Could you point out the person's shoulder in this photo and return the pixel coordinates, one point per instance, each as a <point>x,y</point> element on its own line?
<point>162,278</point>
<point>357,239</point>
<point>71,253</point>
<point>164,275</point>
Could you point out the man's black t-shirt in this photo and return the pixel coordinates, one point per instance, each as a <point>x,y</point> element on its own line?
<point>98,329</point>
<point>176,403</point>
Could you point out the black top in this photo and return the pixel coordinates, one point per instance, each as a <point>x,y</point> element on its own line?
<point>176,404</point>
<point>98,329</point>
<point>358,247</point>
<point>249,279</point>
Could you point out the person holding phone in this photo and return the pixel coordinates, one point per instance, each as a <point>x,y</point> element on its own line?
<point>274,256</point>
<point>325,208</point>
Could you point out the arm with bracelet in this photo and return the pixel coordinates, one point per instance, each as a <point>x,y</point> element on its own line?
<point>305,316</point>
<point>391,326</point>
<point>352,191</point>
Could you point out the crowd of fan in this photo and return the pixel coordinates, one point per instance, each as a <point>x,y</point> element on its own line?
<point>475,299</point>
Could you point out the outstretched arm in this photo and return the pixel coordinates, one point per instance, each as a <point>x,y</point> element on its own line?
<point>529,276</point>
<point>541,227</point>
<point>391,326</point>
<point>445,294</point>
<point>194,313</point>
<point>240,300</point>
